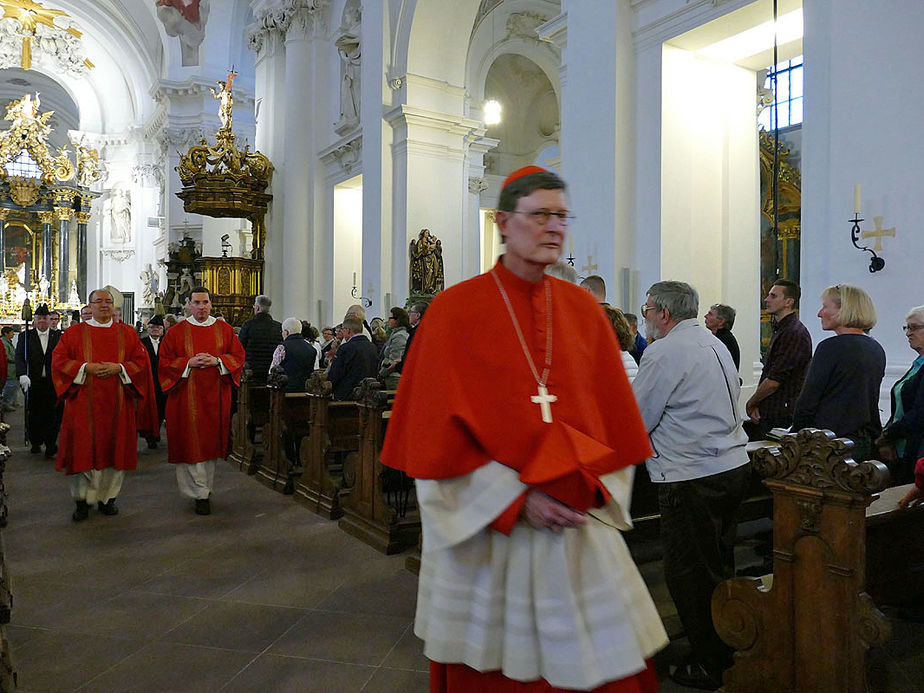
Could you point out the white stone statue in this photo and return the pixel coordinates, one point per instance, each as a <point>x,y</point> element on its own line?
<point>350,51</point>
<point>120,212</point>
<point>44,287</point>
<point>186,282</point>
<point>148,286</point>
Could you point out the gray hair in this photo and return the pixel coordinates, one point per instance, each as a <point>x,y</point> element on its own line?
<point>292,326</point>
<point>264,302</point>
<point>678,298</point>
<point>916,312</point>
<point>726,313</point>
<point>562,270</point>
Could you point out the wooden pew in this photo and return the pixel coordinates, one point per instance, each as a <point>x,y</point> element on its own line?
<point>381,510</point>
<point>333,438</point>
<point>288,423</point>
<point>808,626</point>
<point>247,424</point>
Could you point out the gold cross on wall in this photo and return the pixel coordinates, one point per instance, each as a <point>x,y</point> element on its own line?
<point>878,233</point>
<point>589,266</point>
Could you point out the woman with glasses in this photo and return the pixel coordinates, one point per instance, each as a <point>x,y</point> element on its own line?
<point>393,351</point>
<point>901,442</point>
<point>841,389</point>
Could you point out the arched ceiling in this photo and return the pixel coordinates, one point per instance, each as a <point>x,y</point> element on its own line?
<point>530,118</point>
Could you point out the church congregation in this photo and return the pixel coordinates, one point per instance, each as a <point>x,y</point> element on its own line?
<point>600,319</point>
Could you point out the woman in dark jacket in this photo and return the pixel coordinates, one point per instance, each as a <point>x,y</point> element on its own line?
<point>901,442</point>
<point>841,389</point>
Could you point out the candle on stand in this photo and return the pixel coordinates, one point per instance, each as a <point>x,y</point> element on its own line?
<point>856,199</point>
<point>570,246</point>
<point>354,278</point>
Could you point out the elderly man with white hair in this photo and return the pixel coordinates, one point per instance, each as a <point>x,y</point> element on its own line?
<point>296,356</point>
<point>687,389</point>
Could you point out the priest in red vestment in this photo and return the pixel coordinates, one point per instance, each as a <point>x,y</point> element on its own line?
<point>523,447</point>
<point>200,362</point>
<point>101,372</point>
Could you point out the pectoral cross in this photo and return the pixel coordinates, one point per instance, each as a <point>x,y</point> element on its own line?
<point>878,233</point>
<point>544,399</point>
<point>589,266</point>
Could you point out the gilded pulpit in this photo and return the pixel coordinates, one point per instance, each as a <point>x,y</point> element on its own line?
<point>223,181</point>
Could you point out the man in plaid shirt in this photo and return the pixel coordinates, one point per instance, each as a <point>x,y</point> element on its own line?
<point>786,361</point>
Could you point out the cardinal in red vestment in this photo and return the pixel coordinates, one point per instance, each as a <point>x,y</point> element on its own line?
<point>200,362</point>
<point>101,372</point>
<point>523,447</point>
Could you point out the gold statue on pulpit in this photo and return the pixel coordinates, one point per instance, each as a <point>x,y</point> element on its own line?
<point>225,100</point>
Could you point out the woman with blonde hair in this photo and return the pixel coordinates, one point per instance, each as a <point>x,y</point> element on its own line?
<point>841,390</point>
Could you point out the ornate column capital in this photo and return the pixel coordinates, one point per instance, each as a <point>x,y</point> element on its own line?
<point>63,213</point>
<point>4,213</point>
<point>82,217</point>
<point>307,18</point>
<point>46,217</point>
<point>476,186</point>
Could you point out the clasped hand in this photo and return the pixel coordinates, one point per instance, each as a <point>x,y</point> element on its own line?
<point>103,369</point>
<point>203,360</point>
<point>544,512</point>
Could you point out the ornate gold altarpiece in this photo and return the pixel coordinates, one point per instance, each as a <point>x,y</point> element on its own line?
<point>779,247</point>
<point>223,181</point>
<point>40,195</point>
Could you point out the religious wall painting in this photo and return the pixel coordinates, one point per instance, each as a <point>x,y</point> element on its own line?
<point>426,265</point>
<point>184,20</point>
<point>18,245</point>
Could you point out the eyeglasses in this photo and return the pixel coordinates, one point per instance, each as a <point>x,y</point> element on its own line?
<point>645,308</point>
<point>541,216</point>
<point>912,328</point>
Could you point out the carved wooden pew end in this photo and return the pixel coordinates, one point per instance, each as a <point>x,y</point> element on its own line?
<point>247,423</point>
<point>809,626</point>
<point>382,508</point>
<point>334,436</point>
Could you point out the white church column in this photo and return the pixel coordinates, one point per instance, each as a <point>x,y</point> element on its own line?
<point>430,155</point>
<point>267,39</point>
<point>597,135</point>
<point>298,181</point>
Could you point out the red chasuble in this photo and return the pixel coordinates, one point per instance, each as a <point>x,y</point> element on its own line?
<point>100,423</point>
<point>198,408</point>
<point>466,389</point>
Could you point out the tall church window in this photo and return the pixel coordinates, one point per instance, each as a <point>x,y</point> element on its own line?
<point>788,96</point>
<point>23,166</point>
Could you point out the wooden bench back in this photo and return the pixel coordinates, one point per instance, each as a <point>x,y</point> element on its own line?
<point>811,629</point>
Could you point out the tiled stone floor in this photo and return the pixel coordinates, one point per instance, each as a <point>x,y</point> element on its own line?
<point>260,595</point>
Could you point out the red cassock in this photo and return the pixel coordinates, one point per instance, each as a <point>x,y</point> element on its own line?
<point>102,416</point>
<point>199,406</point>
<point>466,398</point>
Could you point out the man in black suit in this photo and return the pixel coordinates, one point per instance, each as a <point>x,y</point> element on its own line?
<point>356,359</point>
<point>151,343</point>
<point>33,368</point>
<point>260,336</point>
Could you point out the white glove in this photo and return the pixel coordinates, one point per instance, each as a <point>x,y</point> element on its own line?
<point>24,383</point>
